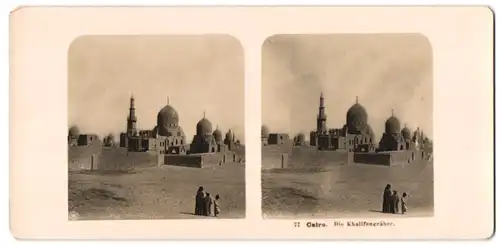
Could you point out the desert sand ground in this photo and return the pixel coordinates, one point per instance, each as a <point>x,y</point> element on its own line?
<point>155,192</point>
<point>341,191</point>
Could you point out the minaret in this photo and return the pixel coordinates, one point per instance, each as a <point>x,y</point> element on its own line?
<point>132,119</point>
<point>321,121</point>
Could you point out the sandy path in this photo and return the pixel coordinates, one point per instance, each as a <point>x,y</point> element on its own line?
<point>346,191</point>
<point>156,193</point>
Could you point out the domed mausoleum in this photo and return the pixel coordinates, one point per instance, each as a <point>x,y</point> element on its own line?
<point>406,133</point>
<point>206,141</point>
<point>355,135</point>
<point>168,141</point>
<point>217,135</point>
<point>393,139</point>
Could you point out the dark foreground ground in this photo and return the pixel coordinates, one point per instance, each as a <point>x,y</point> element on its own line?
<point>345,190</point>
<point>154,193</point>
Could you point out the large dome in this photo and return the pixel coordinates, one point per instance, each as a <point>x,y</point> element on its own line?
<point>217,135</point>
<point>356,119</point>
<point>204,127</point>
<point>264,131</point>
<point>73,131</point>
<point>392,126</point>
<point>406,133</point>
<point>167,118</point>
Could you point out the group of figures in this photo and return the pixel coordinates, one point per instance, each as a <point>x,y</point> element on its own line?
<point>204,202</point>
<point>392,200</point>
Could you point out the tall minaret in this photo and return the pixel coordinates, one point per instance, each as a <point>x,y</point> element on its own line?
<point>321,121</point>
<point>132,119</point>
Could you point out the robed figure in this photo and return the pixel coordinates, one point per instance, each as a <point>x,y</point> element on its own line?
<point>208,204</point>
<point>395,201</point>
<point>387,199</point>
<point>199,202</point>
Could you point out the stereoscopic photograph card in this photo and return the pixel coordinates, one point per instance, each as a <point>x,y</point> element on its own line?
<point>324,123</point>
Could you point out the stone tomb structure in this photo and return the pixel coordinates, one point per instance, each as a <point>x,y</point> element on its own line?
<point>168,141</point>
<point>355,140</point>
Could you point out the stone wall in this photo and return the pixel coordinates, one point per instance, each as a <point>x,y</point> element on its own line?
<point>183,160</point>
<point>300,157</point>
<point>304,157</point>
<point>383,159</point>
<point>80,157</point>
<point>201,160</point>
<point>389,158</point>
<point>107,158</point>
<point>272,155</point>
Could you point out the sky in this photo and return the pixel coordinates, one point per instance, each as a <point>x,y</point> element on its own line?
<point>385,71</point>
<point>197,74</point>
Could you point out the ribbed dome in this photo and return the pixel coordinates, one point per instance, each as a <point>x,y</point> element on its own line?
<point>264,131</point>
<point>406,133</point>
<point>74,131</point>
<point>392,126</point>
<point>204,127</point>
<point>217,135</point>
<point>167,118</point>
<point>356,119</point>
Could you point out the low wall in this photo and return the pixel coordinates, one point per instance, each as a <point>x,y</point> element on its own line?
<point>183,160</point>
<point>201,160</point>
<point>273,155</point>
<point>276,161</point>
<point>389,158</point>
<point>276,156</point>
<point>383,159</point>
<point>83,157</point>
<point>107,158</point>
<point>303,157</point>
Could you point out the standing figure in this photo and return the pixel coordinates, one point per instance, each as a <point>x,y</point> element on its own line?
<point>386,200</point>
<point>395,201</point>
<point>199,201</point>
<point>216,205</point>
<point>404,208</point>
<point>208,204</point>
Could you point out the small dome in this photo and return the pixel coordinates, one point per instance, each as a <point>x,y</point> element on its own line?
<point>74,131</point>
<point>356,118</point>
<point>229,135</point>
<point>264,131</point>
<point>301,137</point>
<point>167,118</point>
<point>392,126</point>
<point>406,133</point>
<point>204,127</point>
<point>217,135</point>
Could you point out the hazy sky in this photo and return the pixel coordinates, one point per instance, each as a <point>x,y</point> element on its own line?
<point>197,73</point>
<point>386,71</point>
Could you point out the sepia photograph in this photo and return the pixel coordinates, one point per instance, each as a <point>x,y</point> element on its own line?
<point>156,127</point>
<point>347,126</point>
